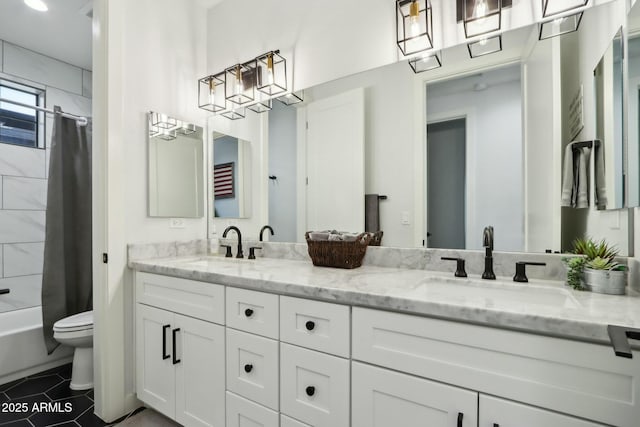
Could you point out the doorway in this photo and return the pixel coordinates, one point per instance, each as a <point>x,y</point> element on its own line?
<point>446,184</point>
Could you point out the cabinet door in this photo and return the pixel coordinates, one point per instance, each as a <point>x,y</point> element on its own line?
<point>496,412</point>
<point>383,398</point>
<point>245,413</point>
<point>155,375</point>
<point>199,364</point>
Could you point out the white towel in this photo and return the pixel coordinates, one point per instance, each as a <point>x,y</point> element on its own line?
<point>600,184</point>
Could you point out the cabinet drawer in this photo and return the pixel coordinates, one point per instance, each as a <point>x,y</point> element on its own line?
<point>252,367</point>
<point>582,379</point>
<point>242,413</point>
<point>251,311</point>
<point>503,413</point>
<point>314,387</point>
<point>388,399</point>
<point>196,299</point>
<point>290,422</point>
<point>317,325</point>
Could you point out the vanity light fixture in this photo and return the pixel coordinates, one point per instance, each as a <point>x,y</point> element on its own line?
<point>212,93</point>
<point>186,128</point>
<point>291,98</point>
<point>261,106</point>
<point>240,83</point>
<point>167,134</point>
<point>485,46</point>
<point>271,73</point>
<point>414,25</point>
<point>560,25</point>
<point>427,62</point>
<point>554,7</point>
<point>162,121</point>
<point>234,114</point>
<point>481,17</point>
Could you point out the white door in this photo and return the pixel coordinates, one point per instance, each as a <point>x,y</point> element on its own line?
<point>199,364</point>
<point>335,163</point>
<point>503,413</point>
<point>383,398</point>
<point>155,381</point>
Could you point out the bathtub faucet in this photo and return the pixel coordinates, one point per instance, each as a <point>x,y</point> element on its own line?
<point>4,291</point>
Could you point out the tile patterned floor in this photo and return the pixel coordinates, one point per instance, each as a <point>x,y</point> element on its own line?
<point>47,401</point>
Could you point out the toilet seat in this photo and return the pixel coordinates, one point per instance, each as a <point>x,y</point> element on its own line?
<point>76,323</point>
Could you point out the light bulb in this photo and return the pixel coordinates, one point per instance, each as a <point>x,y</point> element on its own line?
<point>483,42</point>
<point>414,21</point>
<point>239,88</point>
<point>480,9</point>
<point>270,69</point>
<point>212,92</point>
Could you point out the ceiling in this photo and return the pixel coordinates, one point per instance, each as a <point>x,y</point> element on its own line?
<point>63,32</point>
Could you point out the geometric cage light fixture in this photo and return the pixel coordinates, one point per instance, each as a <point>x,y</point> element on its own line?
<point>414,26</point>
<point>554,7</point>
<point>481,17</point>
<point>559,22</point>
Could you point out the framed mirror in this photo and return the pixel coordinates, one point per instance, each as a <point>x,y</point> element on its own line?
<point>175,160</point>
<point>231,174</point>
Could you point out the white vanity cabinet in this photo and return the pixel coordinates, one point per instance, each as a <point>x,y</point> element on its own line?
<point>180,359</point>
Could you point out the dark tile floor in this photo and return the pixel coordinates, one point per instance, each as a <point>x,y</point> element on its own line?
<point>45,399</point>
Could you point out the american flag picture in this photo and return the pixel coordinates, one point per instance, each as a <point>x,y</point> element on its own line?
<point>223,183</point>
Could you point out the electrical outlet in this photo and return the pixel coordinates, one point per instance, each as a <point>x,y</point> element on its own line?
<point>176,223</point>
<point>405,218</point>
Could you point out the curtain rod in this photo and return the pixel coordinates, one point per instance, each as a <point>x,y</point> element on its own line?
<point>82,121</point>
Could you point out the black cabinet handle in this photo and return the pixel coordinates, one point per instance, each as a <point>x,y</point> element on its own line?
<point>460,416</point>
<point>165,356</point>
<point>311,390</point>
<point>248,312</point>
<point>619,336</point>
<point>310,325</point>
<point>174,333</point>
<point>248,368</point>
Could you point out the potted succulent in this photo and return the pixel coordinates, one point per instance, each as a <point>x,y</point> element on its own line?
<point>596,270</point>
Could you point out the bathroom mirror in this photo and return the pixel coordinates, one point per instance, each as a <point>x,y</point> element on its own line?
<point>547,75</point>
<point>231,174</point>
<point>633,107</point>
<point>607,153</point>
<point>175,156</point>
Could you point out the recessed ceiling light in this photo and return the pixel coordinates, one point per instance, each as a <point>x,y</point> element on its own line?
<point>38,5</point>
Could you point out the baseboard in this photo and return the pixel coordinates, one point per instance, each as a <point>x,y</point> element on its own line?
<point>35,369</point>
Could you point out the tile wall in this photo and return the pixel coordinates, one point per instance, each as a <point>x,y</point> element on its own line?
<point>24,171</point>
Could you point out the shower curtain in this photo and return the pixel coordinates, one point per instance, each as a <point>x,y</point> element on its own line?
<point>67,271</point>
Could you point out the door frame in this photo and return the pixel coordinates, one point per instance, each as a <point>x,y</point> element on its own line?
<point>468,114</point>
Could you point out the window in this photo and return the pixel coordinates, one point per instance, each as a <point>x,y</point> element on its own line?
<point>21,125</point>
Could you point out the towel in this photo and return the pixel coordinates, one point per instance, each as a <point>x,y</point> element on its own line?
<point>371,212</point>
<point>575,176</point>
<point>600,184</point>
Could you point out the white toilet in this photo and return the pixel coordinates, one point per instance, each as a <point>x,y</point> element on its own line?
<point>77,331</point>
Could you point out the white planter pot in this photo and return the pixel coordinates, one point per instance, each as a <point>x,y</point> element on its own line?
<point>611,282</point>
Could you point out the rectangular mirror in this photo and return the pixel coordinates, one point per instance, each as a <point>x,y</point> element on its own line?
<point>175,156</point>
<point>633,106</point>
<point>231,174</point>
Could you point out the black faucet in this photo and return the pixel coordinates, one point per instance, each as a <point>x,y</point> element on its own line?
<point>266,227</point>
<point>487,242</point>
<point>237,230</point>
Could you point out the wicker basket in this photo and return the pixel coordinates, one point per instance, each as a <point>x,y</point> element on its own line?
<point>376,240</point>
<point>336,253</point>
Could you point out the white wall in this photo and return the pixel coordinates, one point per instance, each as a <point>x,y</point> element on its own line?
<point>147,56</point>
<point>494,151</point>
<point>24,172</point>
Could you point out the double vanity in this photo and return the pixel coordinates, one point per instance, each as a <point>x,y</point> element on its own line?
<point>279,342</point>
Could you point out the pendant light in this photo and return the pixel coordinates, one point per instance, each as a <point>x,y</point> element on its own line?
<point>485,46</point>
<point>481,17</point>
<point>414,26</point>
<point>554,7</point>
<point>271,72</point>
<point>240,83</point>
<point>559,26</point>
<point>212,93</point>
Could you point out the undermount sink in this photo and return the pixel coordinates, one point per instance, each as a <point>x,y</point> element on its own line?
<point>501,290</point>
<point>204,261</point>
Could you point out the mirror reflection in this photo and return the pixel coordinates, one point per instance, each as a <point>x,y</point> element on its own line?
<point>231,177</point>
<point>175,157</point>
<point>633,111</point>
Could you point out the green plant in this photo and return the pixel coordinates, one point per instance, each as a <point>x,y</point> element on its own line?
<point>575,267</point>
<point>602,264</point>
<point>592,249</point>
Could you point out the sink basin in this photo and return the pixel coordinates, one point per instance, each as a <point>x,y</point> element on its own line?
<point>503,291</point>
<point>205,261</point>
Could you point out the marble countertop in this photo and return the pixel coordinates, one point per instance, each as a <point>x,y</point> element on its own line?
<point>544,307</point>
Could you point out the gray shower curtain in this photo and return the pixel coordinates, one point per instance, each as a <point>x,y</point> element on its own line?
<point>67,271</point>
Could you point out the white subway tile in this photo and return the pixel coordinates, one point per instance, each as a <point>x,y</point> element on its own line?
<point>22,161</point>
<point>22,226</point>
<point>23,259</point>
<point>25,291</point>
<point>43,69</point>
<point>24,193</point>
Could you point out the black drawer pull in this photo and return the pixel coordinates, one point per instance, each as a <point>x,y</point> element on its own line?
<point>165,356</point>
<point>248,368</point>
<point>248,312</point>
<point>619,336</point>
<point>460,416</point>
<point>496,425</point>
<point>311,390</point>
<point>174,333</point>
<point>310,325</point>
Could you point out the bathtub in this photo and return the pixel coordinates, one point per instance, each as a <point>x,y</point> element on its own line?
<point>22,350</point>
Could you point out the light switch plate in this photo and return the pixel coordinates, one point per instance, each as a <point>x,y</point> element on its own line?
<point>176,223</point>
<point>405,218</point>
